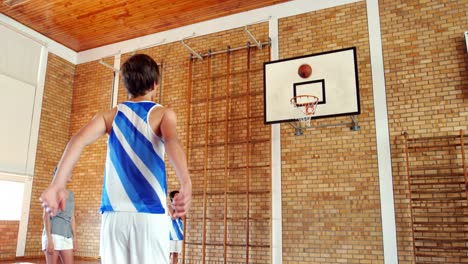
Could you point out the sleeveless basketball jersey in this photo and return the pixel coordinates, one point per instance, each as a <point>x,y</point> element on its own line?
<point>177,229</point>
<point>135,173</point>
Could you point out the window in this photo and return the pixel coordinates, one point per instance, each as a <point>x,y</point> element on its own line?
<point>11,195</point>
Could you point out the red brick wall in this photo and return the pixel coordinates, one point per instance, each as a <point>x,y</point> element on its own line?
<point>8,239</point>
<point>330,182</point>
<point>426,75</point>
<point>53,137</point>
<point>331,206</point>
<point>92,94</point>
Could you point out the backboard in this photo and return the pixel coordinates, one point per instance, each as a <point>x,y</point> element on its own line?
<point>333,79</point>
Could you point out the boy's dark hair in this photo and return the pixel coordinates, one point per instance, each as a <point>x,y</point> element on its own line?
<point>140,72</point>
<point>172,194</point>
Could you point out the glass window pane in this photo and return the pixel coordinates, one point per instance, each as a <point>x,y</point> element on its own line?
<point>11,195</point>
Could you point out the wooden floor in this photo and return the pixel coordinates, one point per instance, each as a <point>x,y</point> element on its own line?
<point>42,261</point>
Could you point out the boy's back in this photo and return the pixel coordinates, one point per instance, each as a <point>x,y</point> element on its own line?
<point>135,162</point>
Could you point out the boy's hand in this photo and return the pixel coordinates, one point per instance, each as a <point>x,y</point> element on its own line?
<point>182,201</point>
<point>50,247</point>
<point>53,199</point>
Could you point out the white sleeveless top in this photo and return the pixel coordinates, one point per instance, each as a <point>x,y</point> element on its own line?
<point>135,172</point>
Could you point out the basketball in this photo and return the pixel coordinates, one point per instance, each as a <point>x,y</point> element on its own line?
<point>304,71</point>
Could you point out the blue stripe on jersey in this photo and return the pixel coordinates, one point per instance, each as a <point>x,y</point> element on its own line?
<point>177,225</point>
<point>141,109</point>
<point>132,179</point>
<point>106,205</point>
<point>143,148</point>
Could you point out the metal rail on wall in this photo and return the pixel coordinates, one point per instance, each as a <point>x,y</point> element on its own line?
<point>256,43</point>
<point>252,38</point>
<point>353,125</point>
<point>196,55</point>
<point>192,51</point>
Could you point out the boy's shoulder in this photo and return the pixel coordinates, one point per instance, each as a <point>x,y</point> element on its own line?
<point>108,117</point>
<point>109,114</point>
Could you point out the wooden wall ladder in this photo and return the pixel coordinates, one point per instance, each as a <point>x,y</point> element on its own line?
<point>438,193</point>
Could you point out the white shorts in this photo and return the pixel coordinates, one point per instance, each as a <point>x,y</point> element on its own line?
<point>134,238</point>
<point>175,246</point>
<point>60,242</point>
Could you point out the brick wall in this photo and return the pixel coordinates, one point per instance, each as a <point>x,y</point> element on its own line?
<point>330,194</point>
<point>92,94</point>
<point>331,206</point>
<point>53,137</point>
<point>426,79</point>
<point>8,239</point>
<point>426,75</point>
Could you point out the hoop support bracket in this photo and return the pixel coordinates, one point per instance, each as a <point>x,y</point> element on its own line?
<point>354,126</point>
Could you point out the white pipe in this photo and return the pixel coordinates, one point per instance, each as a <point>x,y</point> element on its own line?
<point>108,66</point>
<point>194,53</point>
<point>252,38</point>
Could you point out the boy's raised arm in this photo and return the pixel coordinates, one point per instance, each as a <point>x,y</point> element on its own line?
<point>54,196</point>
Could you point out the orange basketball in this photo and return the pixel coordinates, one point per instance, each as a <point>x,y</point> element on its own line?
<point>304,71</point>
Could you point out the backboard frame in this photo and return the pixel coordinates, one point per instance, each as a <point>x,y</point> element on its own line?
<point>352,69</point>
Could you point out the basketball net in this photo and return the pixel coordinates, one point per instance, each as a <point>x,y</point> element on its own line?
<point>304,106</point>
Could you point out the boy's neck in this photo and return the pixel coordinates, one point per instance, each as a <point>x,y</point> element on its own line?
<point>146,97</point>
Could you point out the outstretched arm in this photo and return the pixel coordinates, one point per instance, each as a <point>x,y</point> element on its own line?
<point>176,156</point>
<point>54,196</point>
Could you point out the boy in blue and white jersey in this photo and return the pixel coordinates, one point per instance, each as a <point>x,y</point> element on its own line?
<point>135,226</point>
<point>177,233</point>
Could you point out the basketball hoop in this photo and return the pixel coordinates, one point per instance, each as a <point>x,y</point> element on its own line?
<point>304,106</point>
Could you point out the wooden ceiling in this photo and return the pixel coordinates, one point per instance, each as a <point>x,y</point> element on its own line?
<point>87,24</point>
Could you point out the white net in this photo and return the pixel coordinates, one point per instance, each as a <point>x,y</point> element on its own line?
<point>304,107</point>
<point>304,119</point>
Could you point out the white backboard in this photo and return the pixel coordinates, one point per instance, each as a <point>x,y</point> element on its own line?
<point>334,80</point>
